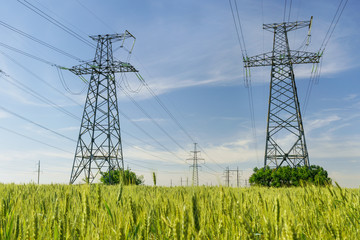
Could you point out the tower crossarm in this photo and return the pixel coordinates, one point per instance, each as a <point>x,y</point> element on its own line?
<point>92,67</point>
<point>288,26</point>
<point>281,58</point>
<point>113,37</point>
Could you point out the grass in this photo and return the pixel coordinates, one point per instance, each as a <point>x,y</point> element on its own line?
<point>142,212</point>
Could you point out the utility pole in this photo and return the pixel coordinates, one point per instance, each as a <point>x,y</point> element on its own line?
<point>237,177</point>
<point>195,166</point>
<point>284,119</point>
<point>99,144</point>
<point>227,177</point>
<point>184,181</point>
<point>39,172</point>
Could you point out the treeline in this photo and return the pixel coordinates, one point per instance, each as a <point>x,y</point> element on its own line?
<point>287,176</point>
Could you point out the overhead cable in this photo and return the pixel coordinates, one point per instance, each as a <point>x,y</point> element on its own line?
<point>27,54</point>
<point>39,78</point>
<point>33,139</point>
<point>147,134</point>
<point>34,123</point>
<point>28,90</point>
<point>334,22</point>
<point>56,22</point>
<point>39,41</point>
<point>151,119</point>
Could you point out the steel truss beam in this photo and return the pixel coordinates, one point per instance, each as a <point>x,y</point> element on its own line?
<point>99,144</point>
<point>285,137</point>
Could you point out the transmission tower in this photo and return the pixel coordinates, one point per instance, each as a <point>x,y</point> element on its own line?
<point>99,143</point>
<point>195,166</point>
<point>227,173</point>
<point>285,138</point>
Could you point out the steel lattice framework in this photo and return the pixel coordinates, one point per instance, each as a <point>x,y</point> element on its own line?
<point>285,137</point>
<point>99,144</point>
<point>195,166</point>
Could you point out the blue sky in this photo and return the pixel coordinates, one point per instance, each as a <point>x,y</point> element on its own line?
<point>187,52</point>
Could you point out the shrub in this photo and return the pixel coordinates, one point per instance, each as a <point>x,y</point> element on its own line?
<point>287,176</point>
<point>126,177</point>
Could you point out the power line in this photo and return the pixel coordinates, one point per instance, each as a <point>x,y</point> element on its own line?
<point>199,146</point>
<point>147,134</point>
<point>152,120</point>
<point>63,19</point>
<point>242,35</point>
<point>146,151</point>
<point>28,90</point>
<point>33,139</point>
<point>149,161</point>
<point>158,100</point>
<point>39,78</point>
<point>65,86</point>
<point>98,18</point>
<point>148,88</point>
<point>34,123</point>
<point>247,75</point>
<point>237,31</point>
<point>284,11</point>
<point>40,97</point>
<point>156,123</point>
<point>38,41</point>
<point>43,14</point>
<point>332,26</point>
<point>44,99</point>
<point>289,10</point>
<point>56,22</point>
<point>316,71</point>
<point>27,54</point>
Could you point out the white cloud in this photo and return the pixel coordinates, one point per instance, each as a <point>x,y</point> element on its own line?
<point>313,124</point>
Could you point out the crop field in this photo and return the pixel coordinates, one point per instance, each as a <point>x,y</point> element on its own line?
<point>143,212</point>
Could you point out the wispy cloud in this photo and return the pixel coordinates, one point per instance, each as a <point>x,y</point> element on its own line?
<point>148,120</point>
<point>351,97</point>
<point>321,122</point>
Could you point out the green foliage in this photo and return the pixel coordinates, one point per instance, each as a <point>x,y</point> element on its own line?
<point>287,176</point>
<point>126,177</point>
<point>143,212</point>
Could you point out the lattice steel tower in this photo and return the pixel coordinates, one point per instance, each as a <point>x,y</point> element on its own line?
<point>99,143</point>
<point>195,166</point>
<point>285,137</point>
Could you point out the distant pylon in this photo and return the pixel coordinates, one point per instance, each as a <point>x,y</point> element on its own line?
<point>195,166</point>
<point>285,137</point>
<point>227,177</point>
<point>99,144</point>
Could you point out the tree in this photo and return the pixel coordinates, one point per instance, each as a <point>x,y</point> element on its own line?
<point>287,176</point>
<point>126,177</point>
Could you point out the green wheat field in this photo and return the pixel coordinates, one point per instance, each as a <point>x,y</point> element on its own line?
<point>144,212</point>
